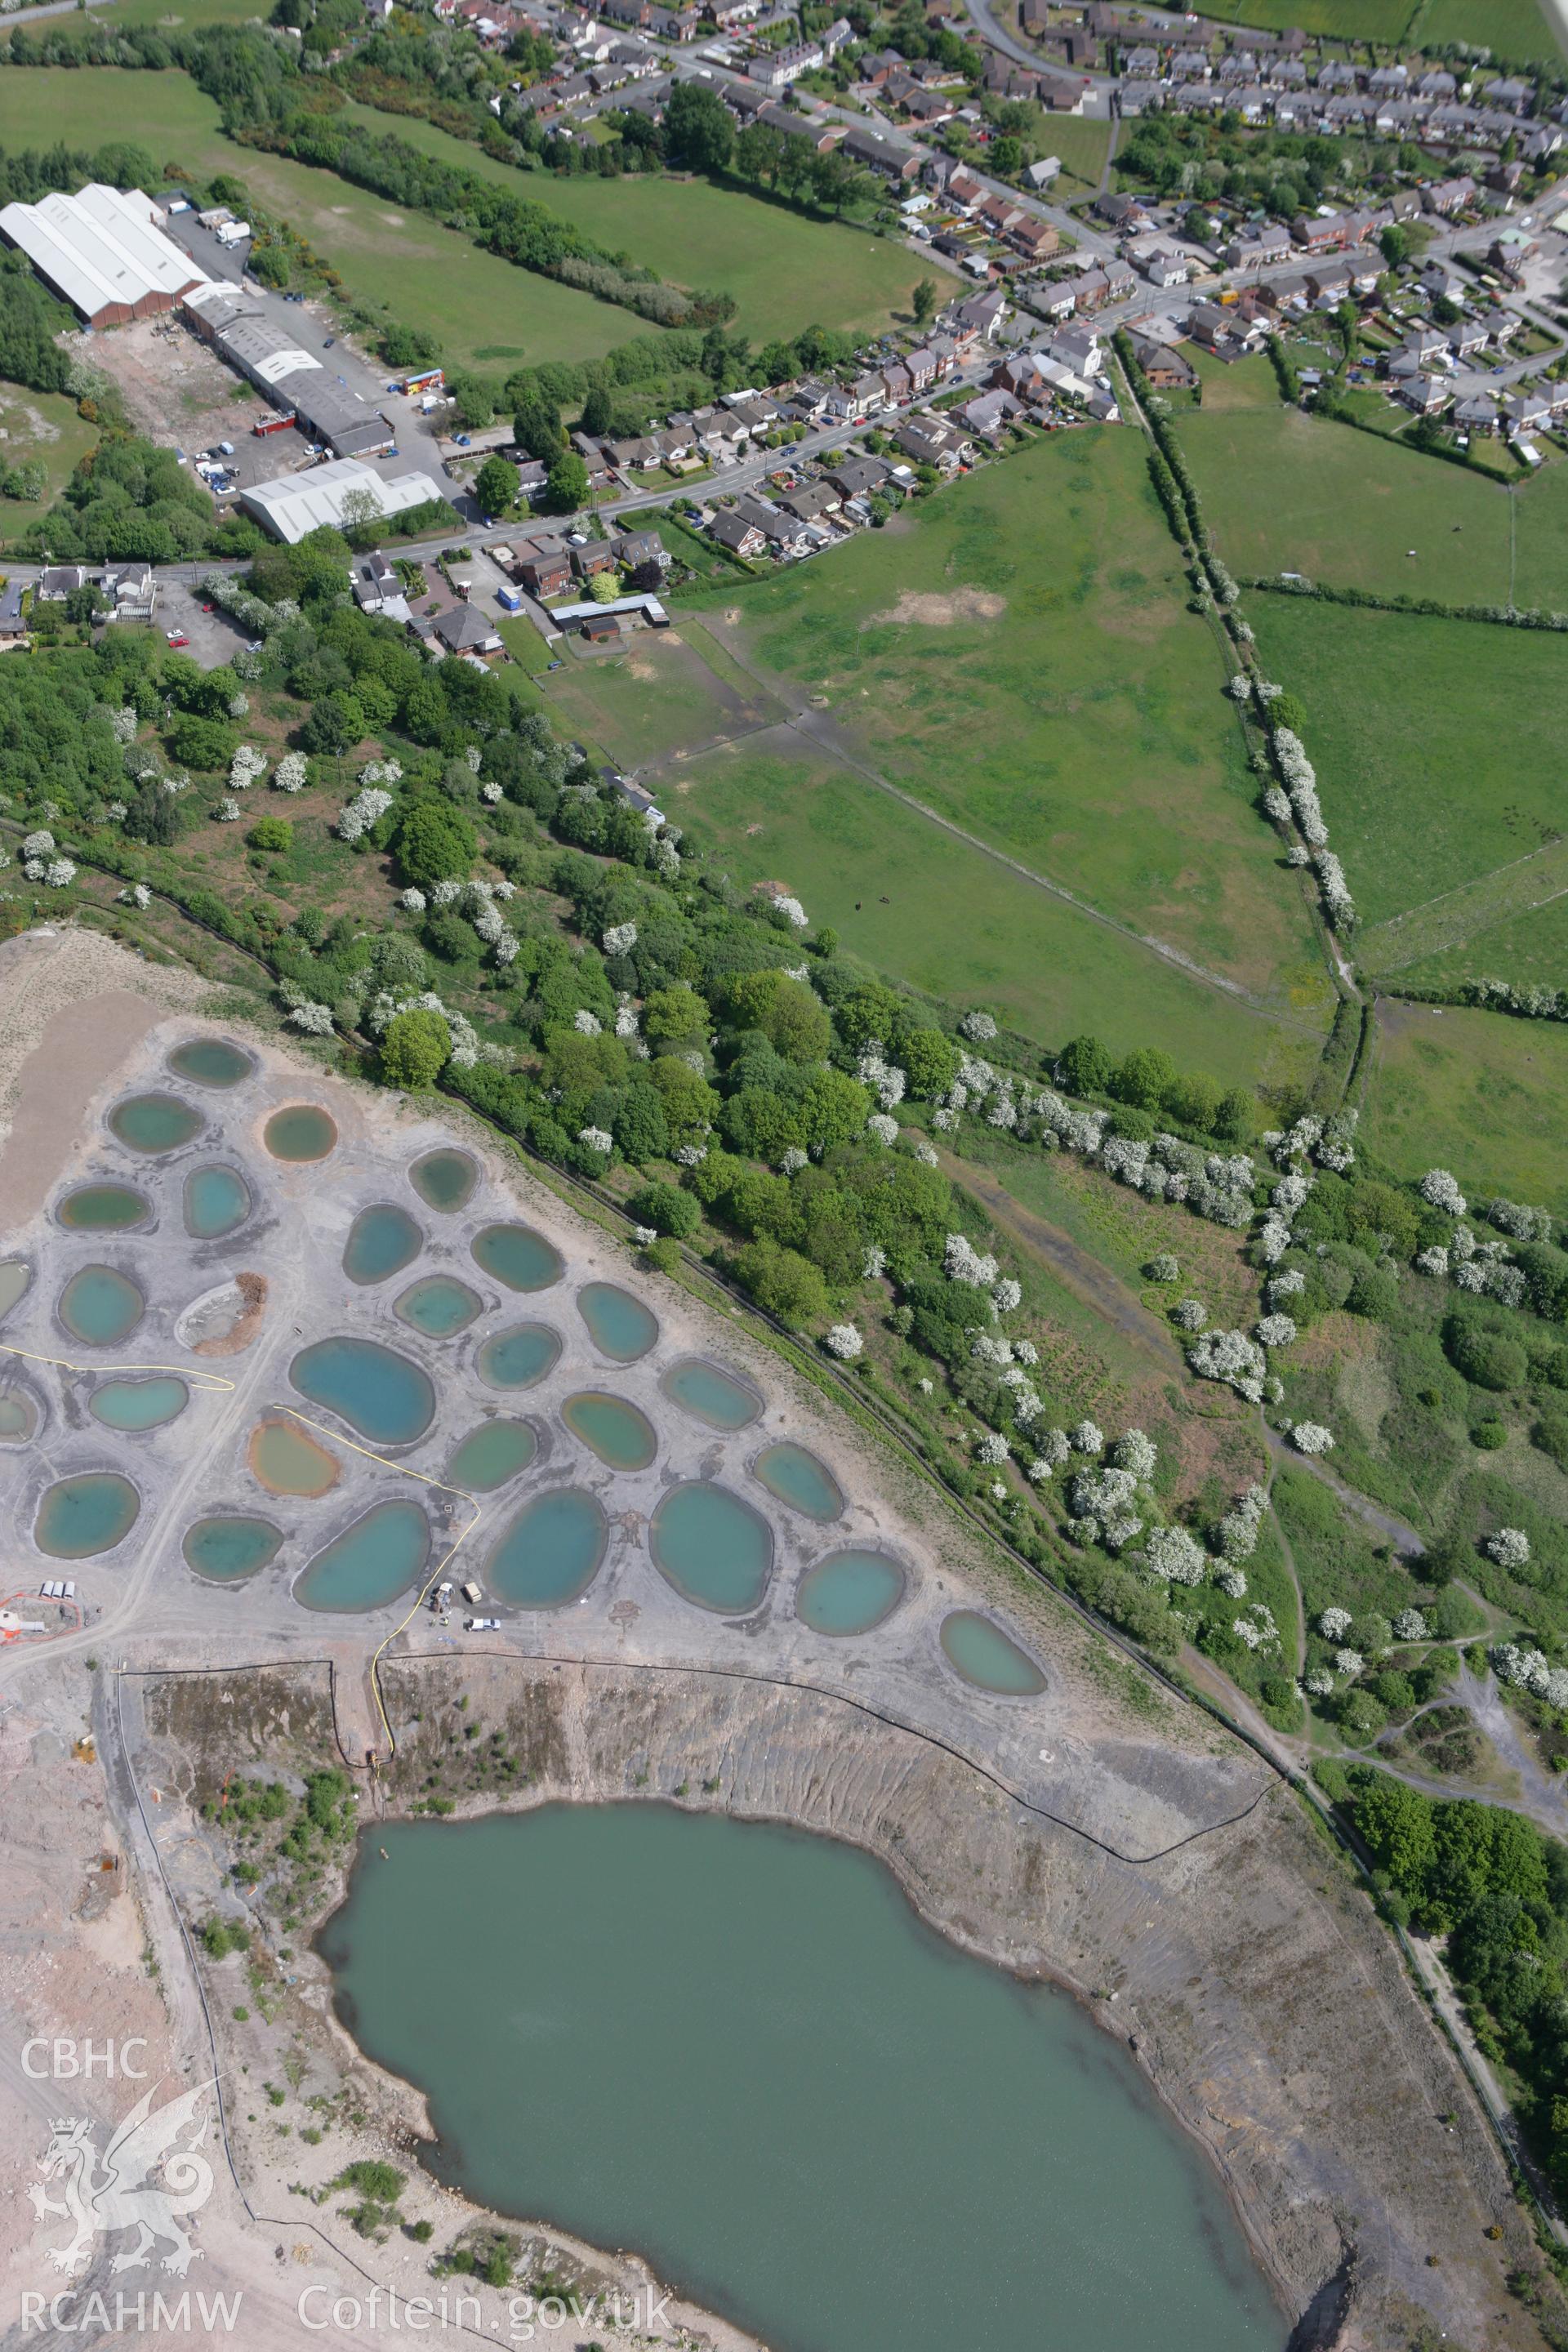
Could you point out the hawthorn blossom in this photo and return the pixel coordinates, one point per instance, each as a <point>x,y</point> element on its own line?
<point>1190,1315</point>
<point>1239,1528</point>
<point>1439,1191</point>
<point>1231,1357</point>
<point>961,1261</point>
<point>38,844</point>
<point>978,1027</point>
<point>793,913</point>
<point>1349,1662</point>
<point>289,775</point>
<point>882,1129</point>
<point>1135,1453</point>
<point>412,901</point>
<point>228,811</point>
<point>246,764</point>
<point>1173,1556</point>
<point>1164,1268</point>
<point>1025,1351</point>
<point>1275,1331</point>
<point>138,894</point>
<point>844,1341</point>
<point>1232,1582</point>
<point>597,1138</point>
<point>1510,1548</point>
<point>619,940</point>
<point>992,1451</point>
<point>1007,1294</point>
<point>792,1160</point>
<point>315,1020</point>
<point>1410,1625</point>
<point>1312,1437</point>
<point>1334,1624</point>
<point>362,812</point>
<point>874,1265</point>
<point>586,1024</point>
<point>1085,1437</point>
<point>1318,1683</point>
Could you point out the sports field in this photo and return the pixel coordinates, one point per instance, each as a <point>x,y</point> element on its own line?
<point>1437,743</point>
<point>1286,492</point>
<point>426,275</point>
<point>786,270</point>
<point>1480,1092</point>
<point>1016,655</point>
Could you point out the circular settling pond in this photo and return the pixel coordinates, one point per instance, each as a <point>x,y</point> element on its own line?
<point>99,1306</point>
<point>849,1592</point>
<point>216,1200</point>
<point>376,1391</point>
<point>370,1562</point>
<point>984,1656</point>
<point>18,1414</point>
<point>517,1358</point>
<point>440,1307</point>
<point>138,1404</point>
<point>799,1479</point>
<point>616,1432</point>
<point>550,1552</point>
<point>82,1516</point>
<point>709,1395</point>
<point>303,1131</point>
<point>227,1551</point>
<point>210,1062</point>
<point>153,1123</point>
<point>445,1180</point>
<point>712,1547</point>
<point>491,1455</point>
<point>382,1241</point>
<point>518,1256</point>
<point>14,1277</point>
<point>287,1460</point>
<point>103,1209</point>
<point>620,1326</point>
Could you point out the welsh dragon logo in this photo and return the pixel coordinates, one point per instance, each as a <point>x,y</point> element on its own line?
<point>117,2192</point>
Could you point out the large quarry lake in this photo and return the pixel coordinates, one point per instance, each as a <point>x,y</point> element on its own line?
<point>736,2050</point>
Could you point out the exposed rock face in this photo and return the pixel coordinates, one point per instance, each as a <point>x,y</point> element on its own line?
<point>1244,1968</point>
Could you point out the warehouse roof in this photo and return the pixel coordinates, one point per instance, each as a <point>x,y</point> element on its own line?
<point>100,247</point>
<point>303,503</point>
<point>263,352</point>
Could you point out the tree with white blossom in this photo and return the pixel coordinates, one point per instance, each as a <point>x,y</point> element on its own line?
<point>1310,1437</point>
<point>290,775</point>
<point>1335,1623</point>
<point>1439,1191</point>
<point>1510,1547</point>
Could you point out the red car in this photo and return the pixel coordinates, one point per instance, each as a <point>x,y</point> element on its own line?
<point>176,637</point>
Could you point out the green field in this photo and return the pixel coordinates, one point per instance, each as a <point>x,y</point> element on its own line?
<point>1286,492</point>
<point>1482,1093</point>
<point>1437,743</point>
<point>1017,655</point>
<point>424,274</point>
<point>948,919</point>
<point>1342,20</point>
<point>38,424</point>
<point>1229,385</point>
<point>1540,510</point>
<point>785,270</point>
<point>1526,943</point>
<point>1519,31</point>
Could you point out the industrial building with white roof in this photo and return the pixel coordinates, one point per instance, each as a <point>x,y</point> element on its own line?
<point>298,503</point>
<point>104,252</point>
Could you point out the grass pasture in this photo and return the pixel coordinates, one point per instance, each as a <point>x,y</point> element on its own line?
<point>1286,492</point>
<point>1437,743</point>
<point>948,919</point>
<point>38,424</point>
<point>1525,942</point>
<point>1017,655</point>
<point>1518,31</point>
<point>1336,20</point>
<point>1482,1093</point>
<point>423,274</point>
<point>785,270</point>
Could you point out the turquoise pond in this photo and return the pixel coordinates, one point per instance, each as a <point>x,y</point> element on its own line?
<point>302,1132</point>
<point>138,1404</point>
<point>82,1516</point>
<point>796,1477</point>
<point>100,1306</point>
<point>154,1123</point>
<point>984,1656</point>
<point>445,1180</point>
<point>382,1241</point>
<point>440,1307</point>
<point>376,1390</point>
<point>620,1326</point>
<point>210,1062</point>
<point>849,1592</point>
<point>491,1455</point>
<point>380,1556</point>
<point>518,1256</point>
<point>14,1277</point>
<point>616,1432</point>
<point>712,1547</point>
<point>227,1550</point>
<point>550,1552</point>
<point>516,1358</point>
<point>801,2106</point>
<point>216,1200</point>
<point>709,1395</point>
<point>103,1209</point>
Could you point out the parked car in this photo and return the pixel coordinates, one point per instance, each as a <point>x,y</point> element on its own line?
<point>484,1626</point>
<point>176,637</point>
